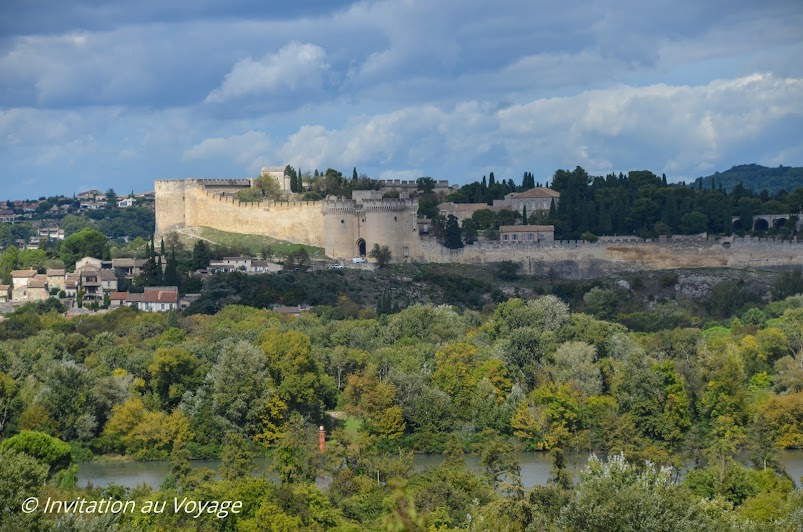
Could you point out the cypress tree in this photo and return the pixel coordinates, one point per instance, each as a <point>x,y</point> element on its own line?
<point>454,236</point>
<point>162,247</point>
<point>553,211</point>
<point>524,220</point>
<point>491,180</point>
<point>484,183</point>
<point>354,174</point>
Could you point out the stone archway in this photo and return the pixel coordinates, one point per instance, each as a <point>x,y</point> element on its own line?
<point>779,222</point>
<point>761,225</point>
<point>361,251</point>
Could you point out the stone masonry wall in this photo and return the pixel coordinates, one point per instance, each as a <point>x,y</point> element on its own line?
<point>576,260</point>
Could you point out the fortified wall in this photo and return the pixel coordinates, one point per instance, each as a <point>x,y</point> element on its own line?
<point>206,203</point>
<point>345,228</point>
<point>348,228</point>
<point>584,260</point>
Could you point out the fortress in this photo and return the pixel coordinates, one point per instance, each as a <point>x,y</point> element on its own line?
<point>347,228</point>
<point>344,228</point>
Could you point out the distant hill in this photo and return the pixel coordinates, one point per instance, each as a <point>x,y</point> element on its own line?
<point>756,178</point>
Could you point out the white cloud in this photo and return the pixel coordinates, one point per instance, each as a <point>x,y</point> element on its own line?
<point>248,150</point>
<point>295,67</point>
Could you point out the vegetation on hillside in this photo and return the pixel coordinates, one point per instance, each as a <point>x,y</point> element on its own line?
<point>520,375</point>
<point>756,178</point>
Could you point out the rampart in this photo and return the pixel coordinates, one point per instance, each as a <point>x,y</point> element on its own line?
<point>191,203</point>
<point>577,259</point>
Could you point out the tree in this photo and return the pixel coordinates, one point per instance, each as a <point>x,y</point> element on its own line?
<point>381,254</point>
<point>425,184</point>
<point>85,243</point>
<point>454,237</point>
<point>201,256</point>
<point>524,216</point>
<point>111,199</point>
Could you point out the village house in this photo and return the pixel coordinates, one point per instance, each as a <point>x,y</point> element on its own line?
<point>126,203</point>
<point>19,282</point>
<point>230,264</point>
<point>527,233</point>
<point>129,268</point>
<point>158,299</point>
<point>37,289</point>
<point>5,293</point>
<point>8,216</point>
<point>52,233</point>
<point>56,278</point>
<point>90,284</point>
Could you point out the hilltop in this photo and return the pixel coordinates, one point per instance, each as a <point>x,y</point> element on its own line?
<point>756,178</point>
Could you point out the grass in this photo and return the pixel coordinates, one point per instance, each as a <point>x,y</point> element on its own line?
<point>254,244</point>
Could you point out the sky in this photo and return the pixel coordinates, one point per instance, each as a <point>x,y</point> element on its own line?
<point>104,94</point>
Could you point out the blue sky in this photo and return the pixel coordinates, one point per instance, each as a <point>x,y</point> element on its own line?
<point>98,94</point>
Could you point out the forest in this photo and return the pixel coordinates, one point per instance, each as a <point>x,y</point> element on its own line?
<point>690,418</point>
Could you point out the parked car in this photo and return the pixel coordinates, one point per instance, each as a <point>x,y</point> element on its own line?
<point>337,266</point>
<point>358,260</point>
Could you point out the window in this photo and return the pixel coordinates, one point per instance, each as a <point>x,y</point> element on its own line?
<point>505,237</point>
<point>342,221</point>
<point>530,236</point>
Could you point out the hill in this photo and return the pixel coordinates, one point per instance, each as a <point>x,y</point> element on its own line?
<point>756,178</point>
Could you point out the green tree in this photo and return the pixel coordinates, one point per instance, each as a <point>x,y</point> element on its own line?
<point>381,254</point>
<point>454,237</point>
<point>84,243</point>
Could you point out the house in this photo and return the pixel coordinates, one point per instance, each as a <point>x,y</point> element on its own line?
<point>52,233</point>
<point>56,278</point>
<point>118,299</point>
<point>28,286</point>
<point>90,205</point>
<point>90,194</point>
<point>88,262</point>
<point>126,203</point>
<point>129,268</point>
<point>90,283</point>
<point>71,281</point>
<point>37,289</point>
<point>159,299</point>
<point>527,233</point>
<point>7,216</point>
<point>535,199</point>
<point>231,264</point>
<point>188,300</point>
<point>5,293</point>
<point>108,281</point>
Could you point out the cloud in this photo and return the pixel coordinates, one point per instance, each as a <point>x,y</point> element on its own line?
<point>296,67</point>
<point>248,150</point>
<point>679,128</point>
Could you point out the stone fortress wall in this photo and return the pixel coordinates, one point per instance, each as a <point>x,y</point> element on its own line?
<point>342,226</point>
<point>575,259</point>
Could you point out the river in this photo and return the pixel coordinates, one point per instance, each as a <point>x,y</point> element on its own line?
<point>535,468</point>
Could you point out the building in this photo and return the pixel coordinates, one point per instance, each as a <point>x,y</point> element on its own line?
<point>129,268</point>
<point>19,282</point>
<point>52,233</point>
<point>5,293</point>
<point>126,203</point>
<point>230,264</point>
<point>37,289</point>
<point>159,299</point>
<point>56,278</point>
<point>527,233</point>
<point>90,284</point>
<point>7,216</point>
<point>345,228</point>
<point>88,262</point>
<point>535,199</point>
